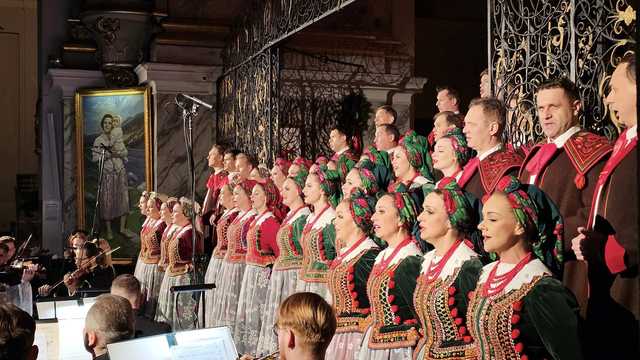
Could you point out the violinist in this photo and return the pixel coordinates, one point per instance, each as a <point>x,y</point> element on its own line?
<point>11,245</point>
<point>92,271</point>
<point>74,243</point>
<point>15,284</point>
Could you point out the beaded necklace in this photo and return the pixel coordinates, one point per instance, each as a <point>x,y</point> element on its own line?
<point>497,283</point>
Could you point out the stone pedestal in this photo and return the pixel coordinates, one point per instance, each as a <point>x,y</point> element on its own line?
<point>58,152</point>
<point>171,173</point>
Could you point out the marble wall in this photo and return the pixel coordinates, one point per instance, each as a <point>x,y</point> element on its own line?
<point>171,159</point>
<point>171,169</point>
<point>69,208</point>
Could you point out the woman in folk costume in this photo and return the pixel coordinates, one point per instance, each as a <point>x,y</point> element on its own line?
<point>370,176</point>
<point>349,272</point>
<point>298,164</point>
<point>392,332</point>
<point>322,191</point>
<point>451,153</point>
<point>211,276</point>
<point>142,205</point>
<point>262,251</point>
<point>279,172</point>
<point>519,310</point>
<point>278,176</point>
<point>166,213</point>
<point>151,278</point>
<point>231,271</point>
<point>449,273</point>
<point>179,271</point>
<point>286,268</point>
<point>412,162</point>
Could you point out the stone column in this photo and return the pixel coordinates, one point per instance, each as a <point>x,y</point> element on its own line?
<point>377,97</point>
<point>171,172</point>
<point>402,104</point>
<point>59,169</point>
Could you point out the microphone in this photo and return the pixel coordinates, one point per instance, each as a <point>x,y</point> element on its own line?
<point>103,147</point>
<point>197,101</point>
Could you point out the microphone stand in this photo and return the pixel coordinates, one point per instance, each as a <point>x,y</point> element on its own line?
<point>94,231</point>
<point>188,113</point>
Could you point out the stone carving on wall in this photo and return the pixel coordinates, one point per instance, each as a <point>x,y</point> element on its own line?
<point>122,38</point>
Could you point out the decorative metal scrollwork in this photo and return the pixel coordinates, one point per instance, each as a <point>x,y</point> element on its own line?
<point>268,21</point>
<point>604,32</point>
<point>531,41</point>
<point>248,106</point>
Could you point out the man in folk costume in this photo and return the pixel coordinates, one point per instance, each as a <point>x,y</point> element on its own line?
<point>566,166</point>
<point>346,147</point>
<point>210,209</point>
<point>609,241</point>
<point>483,126</point>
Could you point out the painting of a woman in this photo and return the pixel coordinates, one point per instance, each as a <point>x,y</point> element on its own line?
<point>116,123</point>
<point>114,197</point>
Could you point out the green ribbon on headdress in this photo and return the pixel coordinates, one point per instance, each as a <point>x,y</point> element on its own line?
<point>330,184</point>
<point>344,164</point>
<point>409,205</point>
<point>460,146</point>
<point>459,210</point>
<point>301,177</point>
<point>362,207</point>
<point>417,149</point>
<point>379,163</point>
<point>540,217</point>
<point>406,206</point>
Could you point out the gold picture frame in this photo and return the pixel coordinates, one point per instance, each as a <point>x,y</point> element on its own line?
<point>118,123</point>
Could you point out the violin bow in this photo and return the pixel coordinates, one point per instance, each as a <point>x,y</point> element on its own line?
<point>85,262</point>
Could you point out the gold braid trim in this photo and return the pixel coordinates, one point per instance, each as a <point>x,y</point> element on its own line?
<point>490,321</point>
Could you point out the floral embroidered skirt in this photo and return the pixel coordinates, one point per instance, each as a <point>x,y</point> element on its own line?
<point>251,306</point>
<point>150,283</point>
<point>316,288</point>
<point>282,284</point>
<point>180,312</point>
<point>211,276</point>
<point>225,299</point>
<point>344,346</point>
<point>137,272</point>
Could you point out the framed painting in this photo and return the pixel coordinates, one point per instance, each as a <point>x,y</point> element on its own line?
<point>113,131</point>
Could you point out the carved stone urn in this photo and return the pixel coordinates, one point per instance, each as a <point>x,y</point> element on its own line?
<point>121,30</point>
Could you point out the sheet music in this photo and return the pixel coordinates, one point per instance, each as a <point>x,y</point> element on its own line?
<point>205,350</point>
<point>46,310</point>
<point>47,339</point>
<point>210,344</point>
<point>72,340</point>
<point>70,309</point>
<point>152,347</point>
<point>220,335</point>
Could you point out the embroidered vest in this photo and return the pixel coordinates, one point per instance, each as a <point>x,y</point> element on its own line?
<point>222,228</point>
<point>179,264</point>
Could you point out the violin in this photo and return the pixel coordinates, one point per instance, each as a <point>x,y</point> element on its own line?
<point>272,356</point>
<point>86,266</point>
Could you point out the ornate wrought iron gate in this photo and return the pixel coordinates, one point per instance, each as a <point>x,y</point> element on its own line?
<point>248,105</point>
<point>248,98</point>
<point>531,41</point>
